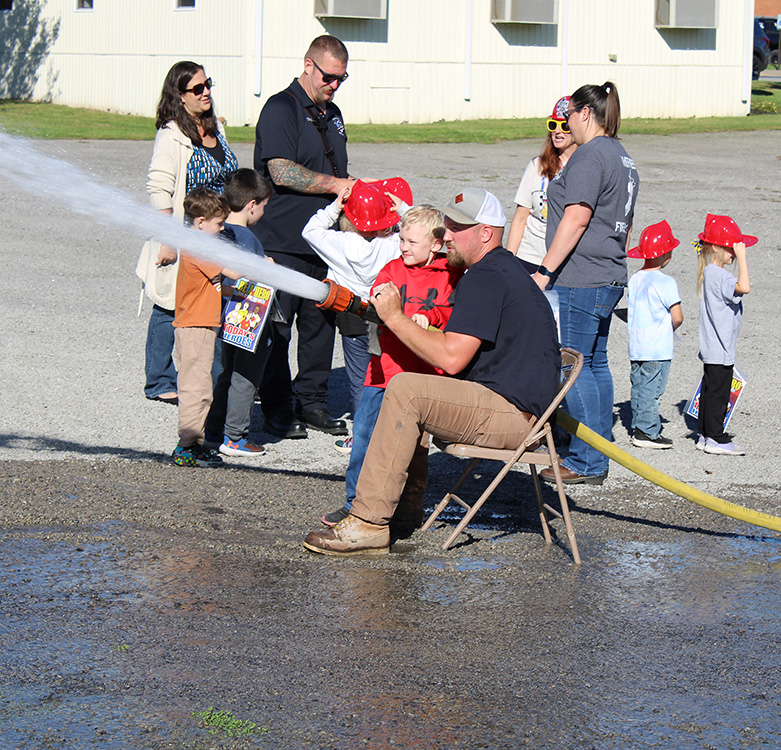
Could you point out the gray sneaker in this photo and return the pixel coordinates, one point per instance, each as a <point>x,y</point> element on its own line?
<point>723,449</point>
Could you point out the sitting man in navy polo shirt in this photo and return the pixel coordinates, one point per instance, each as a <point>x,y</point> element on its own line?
<point>500,345</point>
<point>301,147</point>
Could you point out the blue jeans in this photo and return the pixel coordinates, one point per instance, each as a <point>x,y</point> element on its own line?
<point>649,379</point>
<point>356,362</point>
<point>159,368</point>
<point>363,427</point>
<point>585,323</point>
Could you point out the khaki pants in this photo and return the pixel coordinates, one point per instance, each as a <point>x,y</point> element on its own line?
<point>395,467</point>
<point>194,354</point>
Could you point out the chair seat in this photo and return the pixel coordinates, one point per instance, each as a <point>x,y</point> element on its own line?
<point>465,450</point>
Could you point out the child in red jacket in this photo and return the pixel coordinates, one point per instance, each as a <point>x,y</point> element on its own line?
<point>426,285</point>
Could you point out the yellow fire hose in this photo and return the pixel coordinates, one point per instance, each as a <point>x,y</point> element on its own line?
<point>661,479</point>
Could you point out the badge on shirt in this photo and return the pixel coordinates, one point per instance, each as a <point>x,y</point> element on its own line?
<point>339,125</point>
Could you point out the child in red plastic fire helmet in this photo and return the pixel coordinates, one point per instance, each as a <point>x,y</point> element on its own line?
<point>721,314</point>
<point>356,249</point>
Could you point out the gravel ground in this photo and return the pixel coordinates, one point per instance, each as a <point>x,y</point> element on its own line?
<point>72,363</point>
<point>133,593</point>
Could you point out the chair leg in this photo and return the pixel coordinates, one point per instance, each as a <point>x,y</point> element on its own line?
<point>471,512</point>
<point>565,511</point>
<point>540,507</point>
<point>451,496</point>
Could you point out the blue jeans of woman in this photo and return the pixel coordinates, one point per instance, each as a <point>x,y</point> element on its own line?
<point>160,368</point>
<point>649,379</point>
<point>585,324</point>
<point>363,427</point>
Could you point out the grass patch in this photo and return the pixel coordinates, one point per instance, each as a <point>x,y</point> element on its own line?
<point>52,121</point>
<point>224,722</point>
<point>55,122</point>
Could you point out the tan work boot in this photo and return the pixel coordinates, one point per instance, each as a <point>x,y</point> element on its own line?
<point>351,536</point>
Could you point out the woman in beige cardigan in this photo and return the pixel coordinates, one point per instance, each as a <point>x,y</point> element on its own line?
<point>190,151</point>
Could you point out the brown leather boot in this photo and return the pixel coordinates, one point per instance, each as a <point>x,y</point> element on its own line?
<point>352,536</point>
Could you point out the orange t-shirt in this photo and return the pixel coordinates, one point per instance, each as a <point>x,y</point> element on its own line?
<point>198,294</point>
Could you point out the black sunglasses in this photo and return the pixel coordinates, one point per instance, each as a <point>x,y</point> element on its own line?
<point>330,77</point>
<point>199,87</point>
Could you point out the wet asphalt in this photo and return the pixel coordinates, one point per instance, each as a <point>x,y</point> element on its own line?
<point>134,594</point>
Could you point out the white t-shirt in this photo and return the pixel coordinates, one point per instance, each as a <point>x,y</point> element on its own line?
<point>651,295</point>
<point>533,194</point>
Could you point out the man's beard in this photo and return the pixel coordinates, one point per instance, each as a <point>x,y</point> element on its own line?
<point>455,259</point>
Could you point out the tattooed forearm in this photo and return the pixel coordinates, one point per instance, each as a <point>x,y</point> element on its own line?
<point>291,175</point>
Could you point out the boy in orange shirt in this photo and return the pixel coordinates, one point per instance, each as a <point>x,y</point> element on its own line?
<point>198,312</point>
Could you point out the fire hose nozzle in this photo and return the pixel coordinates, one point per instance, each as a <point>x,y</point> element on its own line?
<point>341,299</point>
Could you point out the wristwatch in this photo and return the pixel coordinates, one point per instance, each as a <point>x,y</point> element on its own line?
<point>545,272</point>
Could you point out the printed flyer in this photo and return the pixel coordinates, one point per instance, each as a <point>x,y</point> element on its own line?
<point>736,390</point>
<point>246,314</point>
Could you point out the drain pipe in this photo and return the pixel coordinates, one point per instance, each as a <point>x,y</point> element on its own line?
<point>748,50</point>
<point>565,47</point>
<point>258,67</point>
<point>468,52</point>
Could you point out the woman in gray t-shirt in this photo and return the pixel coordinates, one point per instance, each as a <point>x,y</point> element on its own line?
<point>590,208</point>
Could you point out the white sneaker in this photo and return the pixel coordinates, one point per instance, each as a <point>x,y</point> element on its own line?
<point>344,446</point>
<point>700,444</point>
<point>723,449</point>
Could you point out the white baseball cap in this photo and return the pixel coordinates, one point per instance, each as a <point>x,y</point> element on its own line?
<point>476,206</point>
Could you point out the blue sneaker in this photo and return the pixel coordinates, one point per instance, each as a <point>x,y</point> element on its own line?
<point>195,455</point>
<point>184,456</point>
<point>241,447</point>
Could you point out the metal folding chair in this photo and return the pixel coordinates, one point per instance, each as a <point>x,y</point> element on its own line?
<point>540,433</point>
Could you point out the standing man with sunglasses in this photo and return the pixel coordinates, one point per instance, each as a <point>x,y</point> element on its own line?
<point>301,146</point>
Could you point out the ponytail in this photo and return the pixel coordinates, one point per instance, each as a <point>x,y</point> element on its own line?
<point>604,104</point>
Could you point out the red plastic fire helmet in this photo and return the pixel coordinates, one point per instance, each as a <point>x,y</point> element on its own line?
<point>560,109</point>
<point>724,232</point>
<point>655,241</point>
<point>369,209</point>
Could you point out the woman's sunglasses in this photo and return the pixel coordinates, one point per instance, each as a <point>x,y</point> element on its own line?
<point>198,89</point>
<point>554,125</point>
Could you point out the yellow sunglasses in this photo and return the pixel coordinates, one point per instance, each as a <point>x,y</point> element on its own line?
<point>554,125</point>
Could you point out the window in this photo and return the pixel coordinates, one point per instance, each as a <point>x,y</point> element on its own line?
<point>185,3</point>
<point>85,4</point>
<point>6,4</point>
<point>687,14</point>
<point>351,9</point>
<point>524,11</point>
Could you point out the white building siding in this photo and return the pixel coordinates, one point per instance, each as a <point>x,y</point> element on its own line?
<point>412,67</point>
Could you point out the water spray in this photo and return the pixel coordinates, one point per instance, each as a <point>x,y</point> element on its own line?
<point>52,179</point>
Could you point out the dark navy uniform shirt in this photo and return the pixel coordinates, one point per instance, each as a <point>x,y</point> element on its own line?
<point>285,130</point>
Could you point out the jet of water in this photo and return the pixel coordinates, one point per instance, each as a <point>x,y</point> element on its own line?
<point>53,179</point>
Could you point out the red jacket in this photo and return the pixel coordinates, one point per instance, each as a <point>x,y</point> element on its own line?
<point>424,289</point>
